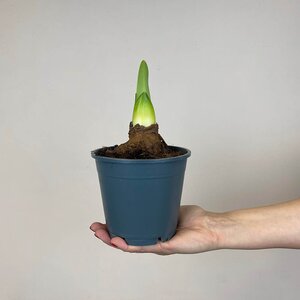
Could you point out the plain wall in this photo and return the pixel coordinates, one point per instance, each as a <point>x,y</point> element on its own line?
<point>224,80</point>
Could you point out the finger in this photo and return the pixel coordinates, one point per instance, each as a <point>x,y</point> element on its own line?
<point>159,248</point>
<point>97,225</point>
<point>119,243</point>
<point>103,235</point>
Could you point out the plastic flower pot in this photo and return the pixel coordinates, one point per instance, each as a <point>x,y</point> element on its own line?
<point>141,197</point>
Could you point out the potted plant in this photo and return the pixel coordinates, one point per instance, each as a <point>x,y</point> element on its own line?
<point>141,180</point>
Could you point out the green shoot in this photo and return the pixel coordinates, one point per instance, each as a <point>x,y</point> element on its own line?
<point>143,112</point>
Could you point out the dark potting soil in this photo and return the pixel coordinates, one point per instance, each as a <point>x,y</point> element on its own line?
<point>143,143</point>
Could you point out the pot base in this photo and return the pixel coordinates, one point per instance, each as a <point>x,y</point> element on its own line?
<point>142,242</point>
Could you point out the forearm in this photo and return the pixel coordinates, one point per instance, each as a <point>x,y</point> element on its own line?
<point>274,226</point>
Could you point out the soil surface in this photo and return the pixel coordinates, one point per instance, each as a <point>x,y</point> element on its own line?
<point>143,143</point>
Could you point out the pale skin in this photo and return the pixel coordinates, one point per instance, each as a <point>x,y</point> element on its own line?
<point>272,226</point>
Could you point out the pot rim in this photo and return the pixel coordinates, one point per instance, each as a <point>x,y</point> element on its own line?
<point>143,160</point>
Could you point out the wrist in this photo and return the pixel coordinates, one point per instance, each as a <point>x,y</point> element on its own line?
<point>224,228</point>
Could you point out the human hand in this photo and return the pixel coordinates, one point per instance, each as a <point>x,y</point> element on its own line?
<point>194,234</point>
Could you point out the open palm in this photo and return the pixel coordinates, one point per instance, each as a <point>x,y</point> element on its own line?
<point>193,235</point>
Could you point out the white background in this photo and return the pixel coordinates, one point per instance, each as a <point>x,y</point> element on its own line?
<point>224,80</point>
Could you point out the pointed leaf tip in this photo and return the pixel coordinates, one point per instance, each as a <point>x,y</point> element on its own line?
<point>142,82</point>
<point>143,64</point>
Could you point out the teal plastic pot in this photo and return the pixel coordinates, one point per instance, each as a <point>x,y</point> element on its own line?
<point>141,197</point>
